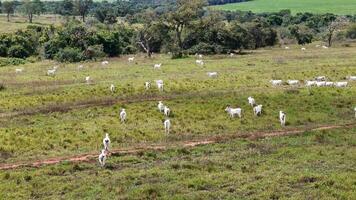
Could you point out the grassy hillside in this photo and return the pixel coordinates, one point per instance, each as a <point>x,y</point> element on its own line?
<point>43,117</point>
<point>314,6</point>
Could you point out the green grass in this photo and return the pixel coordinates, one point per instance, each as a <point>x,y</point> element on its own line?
<point>314,165</point>
<point>295,167</point>
<point>342,7</point>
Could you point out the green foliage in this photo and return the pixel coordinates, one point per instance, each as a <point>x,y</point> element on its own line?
<point>18,51</point>
<point>11,61</point>
<point>351,31</point>
<point>69,54</point>
<point>301,33</point>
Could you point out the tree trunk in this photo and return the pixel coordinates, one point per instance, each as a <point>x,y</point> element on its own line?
<point>330,39</point>
<point>30,16</point>
<point>8,17</point>
<point>83,17</point>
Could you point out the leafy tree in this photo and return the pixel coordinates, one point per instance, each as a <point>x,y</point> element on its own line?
<point>66,8</point>
<point>153,33</point>
<point>82,7</point>
<point>351,32</point>
<point>183,15</point>
<point>8,7</point>
<point>301,33</point>
<point>105,13</point>
<point>32,7</point>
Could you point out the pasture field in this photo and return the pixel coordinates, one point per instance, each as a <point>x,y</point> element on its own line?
<point>19,22</point>
<point>342,7</point>
<point>43,117</point>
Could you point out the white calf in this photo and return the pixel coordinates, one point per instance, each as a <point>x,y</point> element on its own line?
<point>199,62</point>
<point>251,101</point>
<point>18,70</point>
<point>257,110</point>
<point>303,49</point>
<point>51,72</point>
<point>159,84</point>
<point>320,78</point>
<point>105,62</point>
<point>233,111</point>
<point>282,118</point>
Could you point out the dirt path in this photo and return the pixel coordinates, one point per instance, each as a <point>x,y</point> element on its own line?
<point>183,144</point>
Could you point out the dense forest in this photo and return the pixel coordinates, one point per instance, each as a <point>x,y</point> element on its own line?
<point>96,29</point>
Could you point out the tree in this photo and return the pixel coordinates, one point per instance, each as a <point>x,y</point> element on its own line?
<point>151,36</point>
<point>32,7</point>
<point>66,8</point>
<point>182,16</point>
<point>8,7</point>
<point>105,13</point>
<point>333,27</point>
<point>301,33</point>
<point>82,7</point>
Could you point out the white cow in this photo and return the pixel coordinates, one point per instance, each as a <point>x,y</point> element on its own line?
<point>106,141</point>
<point>251,101</point>
<point>102,158</point>
<point>159,84</point>
<point>325,47</point>
<point>123,115</point>
<point>329,84</point>
<point>310,83</point>
<point>87,79</point>
<point>276,82</point>
<point>321,83</point>
<point>340,84</point>
<point>167,126</point>
<point>147,85</point>
<point>293,82</point>
<point>131,59</point>
<point>160,106</point>
<point>157,66</point>
<point>199,62</point>
<point>286,48</point>
<point>166,111</point>
<point>282,118</point>
<point>51,72</point>
<point>351,78</point>
<point>233,111</point>
<point>112,88</point>
<point>105,62</point>
<point>303,49</point>
<point>320,78</point>
<point>257,110</point>
<point>18,70</point>
<point>212,74</point>
<point>80,67</point>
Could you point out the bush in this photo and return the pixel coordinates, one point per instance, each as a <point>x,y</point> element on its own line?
<point>18,51</point>
<point>93,52</point>
<point>3,50</point>
<point>69,54</point>
<point>11,61</point>
<point>202,48</point>
<point>351,32</point>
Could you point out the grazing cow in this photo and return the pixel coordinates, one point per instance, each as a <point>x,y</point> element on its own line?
<point>340,84</point>
<point>105,62</point>
<point>320,78</point>
<point>87,79</point>
<point>233,111</point>
<point>160,106</point>
<point>276,82</point>
<point>257,110</point>
<point>166,111</point>
<point>112,88</point>
<point>212,74</point>
<point>18,70</point>
<point>199,62</point>
<point>159,84</point>
<point>51,72</point>
<point>286,48</point>
<point>351,78</point>
<point>167,126</point>
<point>303,49</point>
<point>157,66</point>
<point>147,85</point>
<point>310,83</point>
<point>293,82</point>
<point>131,59</point>
<point>251,101</point>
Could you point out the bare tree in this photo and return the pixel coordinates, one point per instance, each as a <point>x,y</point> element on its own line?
<point>334,27</point>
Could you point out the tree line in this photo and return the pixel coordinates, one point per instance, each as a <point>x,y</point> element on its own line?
<point>179,28</point>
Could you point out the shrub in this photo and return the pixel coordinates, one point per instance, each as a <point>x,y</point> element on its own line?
<point>93,52</point>
<point>351,32</point>
<point>69,54</point>
<point>3,50</point>
<point>18,51</point>
<point>11,61</point>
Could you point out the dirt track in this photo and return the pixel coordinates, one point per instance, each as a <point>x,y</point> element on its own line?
<point>183,144</point>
